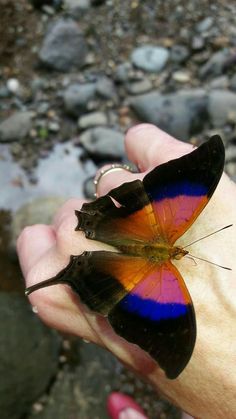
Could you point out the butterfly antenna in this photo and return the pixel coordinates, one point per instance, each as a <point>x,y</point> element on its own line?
<point>208,261</point>
<point>208,235</point>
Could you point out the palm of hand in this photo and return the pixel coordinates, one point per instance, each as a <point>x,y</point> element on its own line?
<point>45,250</point>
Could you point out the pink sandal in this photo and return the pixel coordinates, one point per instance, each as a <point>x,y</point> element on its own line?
<point>121,406</point>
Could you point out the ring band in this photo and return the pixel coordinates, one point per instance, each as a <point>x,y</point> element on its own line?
<point>115,167</point>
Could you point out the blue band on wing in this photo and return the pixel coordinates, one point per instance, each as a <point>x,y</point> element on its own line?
<point>180,188</point>
<point>151,309</point>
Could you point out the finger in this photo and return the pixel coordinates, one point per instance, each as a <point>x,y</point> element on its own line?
<point>148,146</point>
<point>114,178</point>
<point>32,243</point>
<point>57,305</point>
<point>71,241</point>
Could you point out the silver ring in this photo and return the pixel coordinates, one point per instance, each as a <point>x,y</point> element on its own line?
<point>115,167</point>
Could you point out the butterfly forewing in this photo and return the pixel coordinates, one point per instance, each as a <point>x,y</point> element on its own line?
<point>181,188</point>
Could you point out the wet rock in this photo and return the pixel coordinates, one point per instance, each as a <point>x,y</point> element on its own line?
<point>64,47</point>
<point>81,392</point>
<point>179,53</point>
<point>103,142</point>
<point>180,114</point>
<point>105,88</point>
<point>138,87</point>
<point>150,58</point>
<point>77,98</point>
<point>92,119</point>
<point>16,127</point>
<point>221,103</point>
<point>29,353</point>
<point>215,65</point>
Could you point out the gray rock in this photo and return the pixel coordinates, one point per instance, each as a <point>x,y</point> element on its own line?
<point>205,24</point>
<point>92,119</point>
<point>221,104</point>
<point>233,83</point>
<point>81,392</point>
<point>181,114</point>
<point>53,126</point>
<point>221,82</point>
<point>105,88</point>
<point>230,154</point>
<point>138,87</point>
<point>78,96</point>
<point>215,65</point>
<point>179,53</point>
<point>16,127</point>
<point>181,76</point>
<point>43,108</point>
<point>103,142</point>
<point>76,6</point>
<point>89,188</point>
<point>4,92</point>
<point>28,353</point>
<point>150,58</point>
<point>13,86</point>
<point>123,72</point>
<point>198,43</point>
<point>37,211</point>
<point>64,47</point>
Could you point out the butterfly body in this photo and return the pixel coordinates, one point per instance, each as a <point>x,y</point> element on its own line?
<point>158,251</point>
<point>135,284</point>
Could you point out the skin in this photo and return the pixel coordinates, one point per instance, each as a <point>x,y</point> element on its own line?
<point>207,387</point>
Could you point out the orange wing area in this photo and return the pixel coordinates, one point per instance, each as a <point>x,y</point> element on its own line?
<point>140,225</point>
<point>176,215</point>
<point>124,216</point>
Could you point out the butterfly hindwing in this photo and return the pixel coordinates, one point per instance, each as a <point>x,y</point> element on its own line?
<point>103,278</point>
<point>146,303</point>
<point>158,315</point>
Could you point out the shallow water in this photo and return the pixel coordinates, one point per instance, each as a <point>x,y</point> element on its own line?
<point>60,174</point>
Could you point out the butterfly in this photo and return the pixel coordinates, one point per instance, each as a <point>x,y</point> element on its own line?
<point>136,285</point>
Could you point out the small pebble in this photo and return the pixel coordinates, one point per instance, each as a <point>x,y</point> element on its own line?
<point>13,85</point>
<point>181,76</point>
<point>53,126</point>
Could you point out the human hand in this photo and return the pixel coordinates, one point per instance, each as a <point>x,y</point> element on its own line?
<point>206,388</point>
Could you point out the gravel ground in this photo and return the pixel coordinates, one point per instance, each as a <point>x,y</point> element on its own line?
<point>73,79</point>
